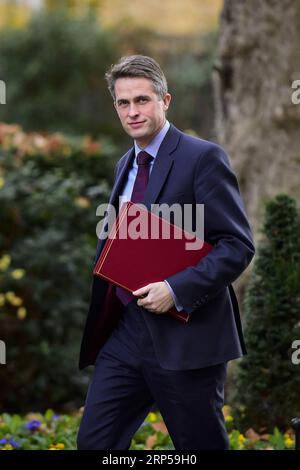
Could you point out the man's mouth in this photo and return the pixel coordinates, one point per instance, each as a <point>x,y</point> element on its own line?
<point>136,124</point>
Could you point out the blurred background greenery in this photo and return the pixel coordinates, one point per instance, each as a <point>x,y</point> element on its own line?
<point>60,139</point>
<point>54,57</point>
<point>57,165</point>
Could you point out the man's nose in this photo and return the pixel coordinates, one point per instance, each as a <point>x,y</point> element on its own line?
<point>133,110</point>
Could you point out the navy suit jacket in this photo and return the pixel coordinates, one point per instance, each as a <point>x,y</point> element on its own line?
<point>195,171</point>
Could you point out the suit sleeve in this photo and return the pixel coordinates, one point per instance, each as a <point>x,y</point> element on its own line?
<point>225,226</point>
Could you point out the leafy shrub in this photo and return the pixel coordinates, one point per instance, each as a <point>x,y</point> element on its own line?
<point>58,432</point>
<point>268,382</point>
<point>50,190</point>
<point>54,69</point>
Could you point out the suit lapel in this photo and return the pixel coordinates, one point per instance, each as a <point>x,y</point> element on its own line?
<point>162,166</point>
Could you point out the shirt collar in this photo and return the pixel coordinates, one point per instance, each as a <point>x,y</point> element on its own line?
<point>153,147</point>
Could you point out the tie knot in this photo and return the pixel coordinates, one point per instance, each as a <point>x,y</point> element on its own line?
<point>144,158</point>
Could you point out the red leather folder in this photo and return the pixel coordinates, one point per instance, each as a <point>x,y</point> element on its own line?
<point>132,261</point>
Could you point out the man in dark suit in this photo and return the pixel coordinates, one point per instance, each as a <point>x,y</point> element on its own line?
<point>141,354</point>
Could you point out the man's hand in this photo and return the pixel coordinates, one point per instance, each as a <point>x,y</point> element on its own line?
<point>158,297</point>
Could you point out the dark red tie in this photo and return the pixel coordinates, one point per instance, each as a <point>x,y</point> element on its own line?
<point>138,194</point>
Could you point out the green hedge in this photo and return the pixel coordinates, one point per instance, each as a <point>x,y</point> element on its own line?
<point>50,188</point>
<point>268,383</point>
<point>54,70</point>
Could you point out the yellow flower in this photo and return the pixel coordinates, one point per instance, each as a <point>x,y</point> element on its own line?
<point>2,182</point>
<point>228,419</point>
<point>60,445</point>
<point>82,202</point>
<point>226,410</point>
<point>288,441</point>
<point>21,313</point>
<point>17,273</point>
<point>13,299</point>
<point>4,262</point>
<point>152,417</point>
<point>7,447</point>
<point>241,439</point>
<point>2,300</point>
<point>57,446</point>
<point>9,295</point>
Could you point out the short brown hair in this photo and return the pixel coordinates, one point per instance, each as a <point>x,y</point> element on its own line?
<point>137,66</point>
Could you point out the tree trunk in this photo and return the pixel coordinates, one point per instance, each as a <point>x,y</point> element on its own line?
<point>257,123</point>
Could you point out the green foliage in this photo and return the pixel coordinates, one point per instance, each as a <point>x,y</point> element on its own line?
<point>36,431</point>
<point>54,71</point>
<point>47,246</point>
<point>268,382</point>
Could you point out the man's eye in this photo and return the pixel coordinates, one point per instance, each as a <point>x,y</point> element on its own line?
<point>142,100</point>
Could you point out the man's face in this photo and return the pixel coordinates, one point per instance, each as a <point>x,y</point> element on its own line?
<point>141,111</point>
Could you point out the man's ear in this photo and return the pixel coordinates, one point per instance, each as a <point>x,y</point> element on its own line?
<point>167,100</point>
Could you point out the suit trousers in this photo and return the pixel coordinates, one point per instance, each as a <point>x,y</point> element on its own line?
<point>128,380</point>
